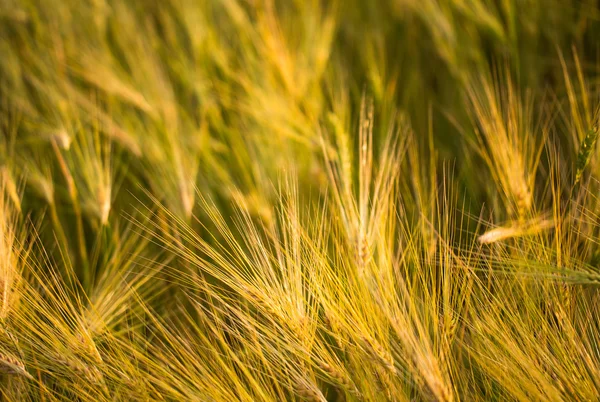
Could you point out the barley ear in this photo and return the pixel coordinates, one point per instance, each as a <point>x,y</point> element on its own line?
<point>12,365</point>
<point>585,153</point>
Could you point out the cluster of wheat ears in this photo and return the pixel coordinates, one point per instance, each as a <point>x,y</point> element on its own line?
<point>273,200</point>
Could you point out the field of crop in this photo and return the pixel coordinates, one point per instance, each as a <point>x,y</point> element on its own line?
<point>299,200</point>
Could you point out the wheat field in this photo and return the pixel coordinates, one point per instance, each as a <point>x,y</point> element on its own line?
<point>299,200</point>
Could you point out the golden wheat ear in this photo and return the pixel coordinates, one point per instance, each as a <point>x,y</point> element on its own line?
<point>516,229</point>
